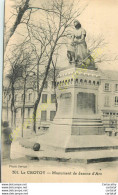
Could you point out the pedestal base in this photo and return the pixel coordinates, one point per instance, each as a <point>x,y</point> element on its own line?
<point>79,149</point>
<point>59,145</point>
<point>75,157</point>
<point>61,138</point>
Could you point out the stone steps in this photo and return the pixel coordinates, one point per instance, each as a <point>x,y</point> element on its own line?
<point>77,157</point>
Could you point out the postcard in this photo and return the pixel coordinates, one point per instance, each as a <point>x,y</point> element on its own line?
<point>60,91</point>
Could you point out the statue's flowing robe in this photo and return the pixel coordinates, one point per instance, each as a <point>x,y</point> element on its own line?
<point>76,47</point>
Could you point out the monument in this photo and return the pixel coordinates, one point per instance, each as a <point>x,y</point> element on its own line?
<point>77,51</point>
<point>77,126</point>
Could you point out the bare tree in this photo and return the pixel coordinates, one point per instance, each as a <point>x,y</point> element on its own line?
<point>20,11</point>
<point>20,63</point>
<point>13,76</point>
<point>55,72</point>
<point>25,74</point>
<point>97,49</point>
<point>56,26</point>
<point>20,8</point>
<point>39,43</point>
<point>59,15</point>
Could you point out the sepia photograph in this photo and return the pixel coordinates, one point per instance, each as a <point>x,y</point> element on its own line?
<point>60,91</point>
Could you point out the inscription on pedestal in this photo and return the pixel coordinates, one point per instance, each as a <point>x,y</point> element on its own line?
<point>86,103</point>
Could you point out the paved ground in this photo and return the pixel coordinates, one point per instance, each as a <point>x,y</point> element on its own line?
<point>18,155</point>
<point>38,163</point>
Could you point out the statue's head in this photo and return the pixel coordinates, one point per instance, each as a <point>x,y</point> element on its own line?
<point>77,24</point>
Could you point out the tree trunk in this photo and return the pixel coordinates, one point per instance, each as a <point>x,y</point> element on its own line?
<point>7,109</point>
<point>37,102</point>
<point>23,110</point>
<point>16,23</point>
<point>38,76</point>
<point>14,118</point>
<point>12,106</point>
<point>56,104</point>
<point>38,99</point>
<point>41,89</point>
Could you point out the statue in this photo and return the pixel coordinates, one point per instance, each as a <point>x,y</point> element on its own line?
<point>77,49</point>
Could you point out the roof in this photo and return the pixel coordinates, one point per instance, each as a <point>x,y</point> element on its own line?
<point>109,74</point>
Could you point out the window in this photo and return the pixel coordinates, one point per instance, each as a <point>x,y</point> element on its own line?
<point>71,80</point>
<point>43,115</point>
<point>46,85</point>
<point>106,87</point>
<point>52,84</point>
<point>30,96</point>
<point>52,115</point>
<point>116,100</point>
<point>76,81</point>
<point>106,103</point>
<point>53,98</point>
<point>93,82</point>
<point>81,81</point>
<point>44,98</point>
<point>29,112</point>
<point>116,87</point>
<point>89,81</point>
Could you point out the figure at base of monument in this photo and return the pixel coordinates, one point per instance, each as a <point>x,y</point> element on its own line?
<point>77,51</point>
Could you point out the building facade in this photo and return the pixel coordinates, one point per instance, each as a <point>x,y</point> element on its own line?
<point>108,98</point>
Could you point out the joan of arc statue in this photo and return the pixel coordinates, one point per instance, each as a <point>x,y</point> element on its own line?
<point>77,48</point>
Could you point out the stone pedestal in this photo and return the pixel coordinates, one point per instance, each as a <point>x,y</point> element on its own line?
<point>78,101</point>
<point>78,113</point>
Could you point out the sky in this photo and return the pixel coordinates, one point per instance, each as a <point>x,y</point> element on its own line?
<point>99,18</point>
